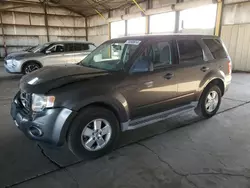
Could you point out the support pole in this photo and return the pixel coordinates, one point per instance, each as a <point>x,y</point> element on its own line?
<point>217,30</point>
<point>4,42</point>
<point>177,18</point>
<point>149,6</point>
<point>126,23</point>
<point>46,20</point>
<point>177,21</point>
<point>86,29</point>
<point>109,26</point>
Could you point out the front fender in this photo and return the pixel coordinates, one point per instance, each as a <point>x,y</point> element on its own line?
<point>116,102</point>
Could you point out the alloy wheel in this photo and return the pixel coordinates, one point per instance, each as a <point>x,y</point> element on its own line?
<point>31,68</point>
<point>96,134</point>
<point>212,101</point>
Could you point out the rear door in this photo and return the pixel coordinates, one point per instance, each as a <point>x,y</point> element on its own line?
<point>219,55</point>
<point>70,53</point>
<point>193,66</point>
<point>82,50</point>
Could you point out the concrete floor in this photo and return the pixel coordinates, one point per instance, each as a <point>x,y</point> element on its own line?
<point>195,153</point>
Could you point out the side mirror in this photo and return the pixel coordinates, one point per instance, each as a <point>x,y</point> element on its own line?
<point>47,52</point>
<point>142,65</point>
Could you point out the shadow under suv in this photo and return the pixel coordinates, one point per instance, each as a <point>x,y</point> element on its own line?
<point>124,84</point>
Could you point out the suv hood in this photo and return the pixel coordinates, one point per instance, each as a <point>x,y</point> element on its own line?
<point>15,54</point>
<point>27,55</point>
<point>47,78</point>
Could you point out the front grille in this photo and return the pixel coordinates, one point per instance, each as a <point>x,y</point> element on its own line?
<point>25,99</point>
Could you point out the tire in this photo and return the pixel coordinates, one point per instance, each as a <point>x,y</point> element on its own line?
<point>204,109</point>
<point>81,126</point>
<point>30,67</point>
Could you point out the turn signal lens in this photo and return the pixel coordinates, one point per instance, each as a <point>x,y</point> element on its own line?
<point>229,67</point>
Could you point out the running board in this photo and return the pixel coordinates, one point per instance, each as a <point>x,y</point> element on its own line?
<point>144,121</point>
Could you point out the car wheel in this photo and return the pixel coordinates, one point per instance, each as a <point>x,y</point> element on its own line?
<point>94,132</point>
<point>209,102</point>
<point>30,67</point>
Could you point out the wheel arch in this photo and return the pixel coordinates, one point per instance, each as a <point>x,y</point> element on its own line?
<point>108,106</point>
<point>31,61</point>
<point>216,81</point>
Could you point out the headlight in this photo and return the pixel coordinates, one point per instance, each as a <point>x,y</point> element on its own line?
<point>13,63</point>
<point>40,102</point>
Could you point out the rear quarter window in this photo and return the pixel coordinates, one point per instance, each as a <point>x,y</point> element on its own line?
<point>216,48</point>
<point>92,47</point>
<point>190,51</point>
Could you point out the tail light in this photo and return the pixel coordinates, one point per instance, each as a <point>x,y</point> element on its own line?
<point>230,67</point>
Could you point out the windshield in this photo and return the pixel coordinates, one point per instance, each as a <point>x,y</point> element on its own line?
<point>40,48</point>
<point>29,49</point>
<point>112,55</point>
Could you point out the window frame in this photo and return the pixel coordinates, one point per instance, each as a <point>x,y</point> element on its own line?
<point>55,45</point>
<point>204,55</point>
<point>212,58</point>
<point>150,42</point>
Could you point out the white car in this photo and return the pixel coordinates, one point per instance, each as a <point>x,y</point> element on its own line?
<point>53,53</point>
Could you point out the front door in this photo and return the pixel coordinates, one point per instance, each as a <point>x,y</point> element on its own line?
<point>54,55</point>
<point>150,92</point>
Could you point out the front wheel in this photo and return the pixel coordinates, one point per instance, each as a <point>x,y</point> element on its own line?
<point>94,132</point>
<point>209,102</point>
<point>30,67</point>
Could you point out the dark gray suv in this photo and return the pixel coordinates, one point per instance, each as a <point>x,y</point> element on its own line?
<point>124,84</point>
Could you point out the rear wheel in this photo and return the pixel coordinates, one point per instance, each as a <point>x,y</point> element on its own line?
<point>30,67</point>
<point>209,102</point>
<point>94,132</point>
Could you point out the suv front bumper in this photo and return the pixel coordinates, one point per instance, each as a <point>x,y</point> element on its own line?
<point>49,126</point>
<point>12,66</point>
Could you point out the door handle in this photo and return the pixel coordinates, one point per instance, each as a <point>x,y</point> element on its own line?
<point>204,69</point>
<point>168,76</point>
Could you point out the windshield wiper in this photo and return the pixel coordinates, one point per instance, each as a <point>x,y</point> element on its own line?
<point>88,65</point>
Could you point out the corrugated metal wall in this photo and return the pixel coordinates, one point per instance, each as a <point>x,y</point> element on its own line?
<point>237,40</point>
<point>24,27</point>
<point>97,29</point>
<point>236,33</point>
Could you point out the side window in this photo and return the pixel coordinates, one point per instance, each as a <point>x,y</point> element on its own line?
<point>161,54</point>
<point>156,55</point>
<point>190,51</point>
<point>216,48</point>
<point>57,48</point>
<point>85,47</point>
<point>70,47</point>
<point>77,47</point>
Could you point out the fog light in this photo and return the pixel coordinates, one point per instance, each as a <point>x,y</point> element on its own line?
<point>35,131</point>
